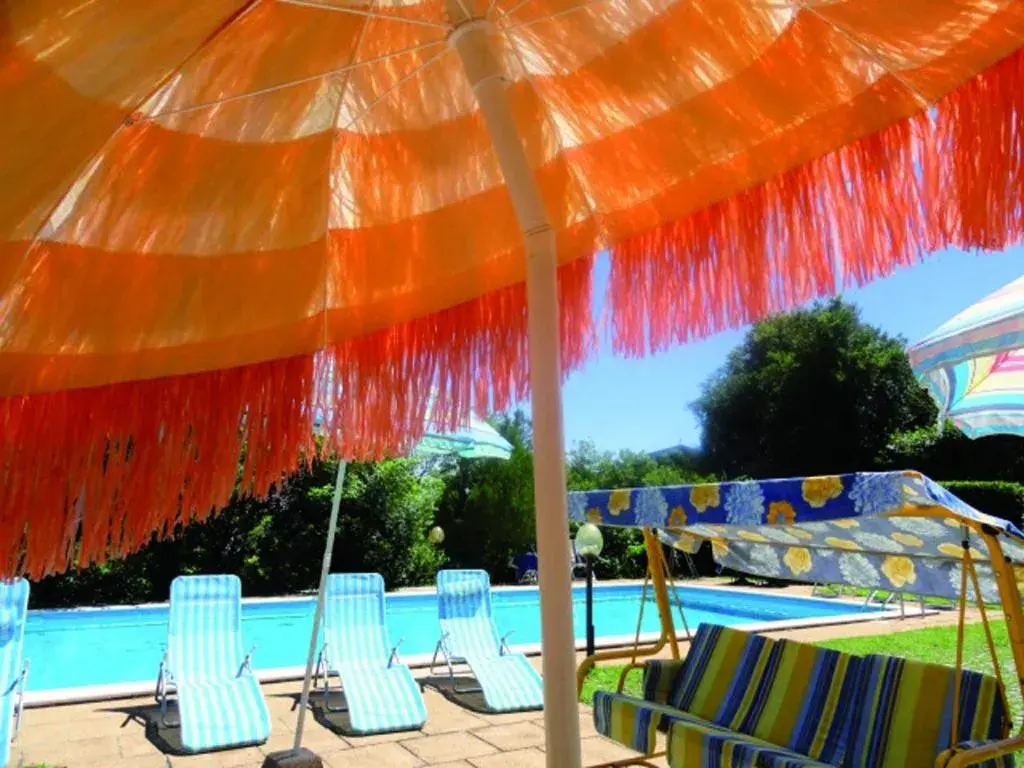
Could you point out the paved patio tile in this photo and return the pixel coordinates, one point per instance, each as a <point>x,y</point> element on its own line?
<point>500,718</point>
<point>228,758</point>
<point>520,758</point>
<point>456,764</point>
<point>136,745</point>
<point>601,750</point>
<point>98,750</point>
<point>158,761</point>
<point>448,747</point>
<point>512,736</point>
<point>587,728</point>
<point>314,736</point>
<point>445,716</point>
<point>375,756</point>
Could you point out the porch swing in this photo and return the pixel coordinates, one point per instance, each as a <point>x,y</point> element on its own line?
<point>895,531</point>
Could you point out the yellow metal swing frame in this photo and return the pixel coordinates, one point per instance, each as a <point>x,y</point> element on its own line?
<point>658,576</point>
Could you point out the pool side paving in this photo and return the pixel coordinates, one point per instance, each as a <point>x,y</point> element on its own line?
<point>114,733</point>
<point>113,652</point>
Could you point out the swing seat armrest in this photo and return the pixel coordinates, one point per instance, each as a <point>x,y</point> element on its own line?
<point>974,752</point>
<point>659,678</point>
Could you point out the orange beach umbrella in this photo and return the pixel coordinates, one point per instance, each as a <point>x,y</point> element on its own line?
<point>220,219</point>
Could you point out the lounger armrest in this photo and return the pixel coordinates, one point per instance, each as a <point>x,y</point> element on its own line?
<point>247,662</point>
<point>659,678</point>
<point>163,676</point>
<point>975,752</point>
<point>503,643</point>
<point>20,700</point>
<point>393,658</point>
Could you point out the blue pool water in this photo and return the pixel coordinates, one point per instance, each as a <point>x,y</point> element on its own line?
<point>73,648</point>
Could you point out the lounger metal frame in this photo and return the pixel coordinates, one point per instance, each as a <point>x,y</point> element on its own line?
<point>451,659</point>
<point>324,670</point>
<point>167,687</point>
<point>19,701</point>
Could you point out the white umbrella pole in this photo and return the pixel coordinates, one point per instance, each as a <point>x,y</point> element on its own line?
<point>321,594</point>
<point>471,40</point>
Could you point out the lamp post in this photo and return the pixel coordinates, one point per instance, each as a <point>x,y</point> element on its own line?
<point>588,544</point>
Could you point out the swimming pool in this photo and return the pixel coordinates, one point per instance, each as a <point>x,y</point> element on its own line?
<point>97,651</point>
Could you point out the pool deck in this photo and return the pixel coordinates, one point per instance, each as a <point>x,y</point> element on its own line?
<point>121,733</point>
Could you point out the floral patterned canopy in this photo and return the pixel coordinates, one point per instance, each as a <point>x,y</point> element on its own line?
<point>887,530</point>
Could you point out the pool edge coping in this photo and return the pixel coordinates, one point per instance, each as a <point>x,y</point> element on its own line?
<point>84,694</point>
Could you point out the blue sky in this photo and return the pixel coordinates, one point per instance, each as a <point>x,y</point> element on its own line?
<point>644,404</point>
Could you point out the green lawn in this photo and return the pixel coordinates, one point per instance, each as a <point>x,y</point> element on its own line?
<point>937,645</point>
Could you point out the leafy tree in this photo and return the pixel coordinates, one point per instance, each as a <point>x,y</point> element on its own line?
<point>950,454</point>
<point>624,554</point>
<point>487,509</point>
<point>276,544</point>
<point>816,391</point>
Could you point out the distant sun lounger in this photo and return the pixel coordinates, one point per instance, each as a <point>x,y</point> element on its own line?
<point>380,692</point>
<point>468,635</point>
<point>13,669</point>
<point>218,698</point>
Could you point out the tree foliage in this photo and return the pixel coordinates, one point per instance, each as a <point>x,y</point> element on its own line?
<point>816,391</point>
<point>276,544</point>
<point>587,468</point>
<point>487,506</point>
<point>949,453</point>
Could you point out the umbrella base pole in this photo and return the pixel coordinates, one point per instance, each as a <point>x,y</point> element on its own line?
<point>293,758</point>
<point>472,39</point>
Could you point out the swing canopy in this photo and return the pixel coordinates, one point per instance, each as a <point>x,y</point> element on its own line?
<point>898,531</point>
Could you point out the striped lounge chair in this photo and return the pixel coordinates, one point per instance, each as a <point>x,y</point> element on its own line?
<point>380,693</point>
<point>468,635</point>
<point>13,670</point>
<point>740,700</point>
<point>218,698</point>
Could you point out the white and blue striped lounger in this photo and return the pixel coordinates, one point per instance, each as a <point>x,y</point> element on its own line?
<point>468,635</point>
<point>219,700</point>
<point>380,693</point>
<point>13,670</point>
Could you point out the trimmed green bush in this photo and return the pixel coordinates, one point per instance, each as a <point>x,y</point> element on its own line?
<point>993,497</point>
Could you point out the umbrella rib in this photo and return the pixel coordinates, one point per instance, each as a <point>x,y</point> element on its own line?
<point>391,89</point>
<point>368,14</point>
<point>505,14</point>
<point>291,83</point>
<point>240,13</point>
<point>346,80</point>
<point>864,48</point>
<point>547,16</point>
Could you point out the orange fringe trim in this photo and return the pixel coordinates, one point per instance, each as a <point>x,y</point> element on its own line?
<point>951,178</point>
<point>96,473</point>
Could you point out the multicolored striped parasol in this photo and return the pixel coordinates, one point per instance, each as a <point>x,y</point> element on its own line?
<point>973,365</point>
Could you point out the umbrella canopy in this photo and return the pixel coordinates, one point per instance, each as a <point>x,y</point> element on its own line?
<point>209,206</point>
<point>973,365</point>
<point>477,441</point>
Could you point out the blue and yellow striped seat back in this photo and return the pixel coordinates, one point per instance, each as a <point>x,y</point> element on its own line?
<point>808,704</point>
<point>354,626</point>
<point>725,675</point>
<point>204,632</point>
<point>905,712</point>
